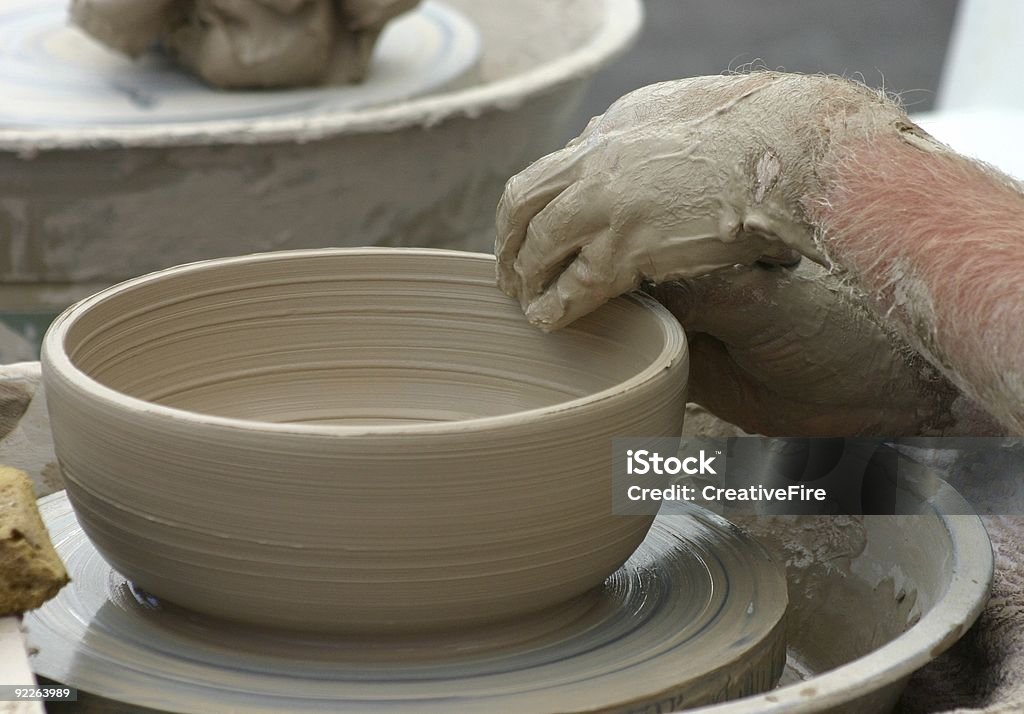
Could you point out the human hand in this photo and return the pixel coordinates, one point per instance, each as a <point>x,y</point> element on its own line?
<point>787,352</point>
<point>675,180</point>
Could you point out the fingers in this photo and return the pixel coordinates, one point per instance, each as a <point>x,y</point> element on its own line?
<point>554,238</point>
<point>683,298</point>
<point>715,382</point>
<point>720,304</point>
<point>526,194</point>
<point>736,305</point>
<point>592,279</point>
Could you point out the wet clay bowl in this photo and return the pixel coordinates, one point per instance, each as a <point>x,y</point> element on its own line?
<point>353,439</point>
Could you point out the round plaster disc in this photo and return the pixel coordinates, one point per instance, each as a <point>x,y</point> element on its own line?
<point>695,616</point>
<point>52,75</point>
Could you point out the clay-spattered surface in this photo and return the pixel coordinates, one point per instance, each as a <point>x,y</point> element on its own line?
<point>356,439</point>
<point>695,616</point>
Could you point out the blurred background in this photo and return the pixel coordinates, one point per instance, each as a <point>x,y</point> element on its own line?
<point>900,45</point>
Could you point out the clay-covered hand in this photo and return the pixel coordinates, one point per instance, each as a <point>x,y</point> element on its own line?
<point>675,180</point>
<point>795,352</point>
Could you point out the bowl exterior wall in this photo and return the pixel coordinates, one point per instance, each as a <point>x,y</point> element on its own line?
<point>338,530</point>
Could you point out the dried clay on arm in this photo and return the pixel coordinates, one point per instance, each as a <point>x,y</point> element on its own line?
<point>936,241</point>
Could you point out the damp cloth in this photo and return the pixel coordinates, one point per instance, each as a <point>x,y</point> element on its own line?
<point>984,671</point>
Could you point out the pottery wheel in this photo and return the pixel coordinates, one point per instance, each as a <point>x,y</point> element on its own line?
<point>52,75</point>
<point>696,615</point>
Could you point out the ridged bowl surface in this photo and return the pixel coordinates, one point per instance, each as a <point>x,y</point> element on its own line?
<point>353,439</point>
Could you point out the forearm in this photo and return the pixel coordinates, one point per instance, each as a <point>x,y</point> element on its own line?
<point>938,241</point>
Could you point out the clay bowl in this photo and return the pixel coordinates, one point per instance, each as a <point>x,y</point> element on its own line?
<point>353,439</point>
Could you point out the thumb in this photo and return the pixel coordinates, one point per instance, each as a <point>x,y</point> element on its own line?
<point>716,381</point>
<point>721,385</point>
<point>681,297</point>
<point>727,304</point>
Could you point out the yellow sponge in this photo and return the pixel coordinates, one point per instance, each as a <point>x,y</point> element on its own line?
<point>31,572</point>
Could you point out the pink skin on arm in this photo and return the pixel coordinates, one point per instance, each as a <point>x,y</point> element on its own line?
<point>939,241</point>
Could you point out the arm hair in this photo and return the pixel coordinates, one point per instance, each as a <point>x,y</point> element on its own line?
<point>938,241</point>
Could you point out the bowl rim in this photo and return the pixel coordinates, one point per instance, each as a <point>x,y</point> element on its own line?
<point>56,361</point>
<point>621,22</point>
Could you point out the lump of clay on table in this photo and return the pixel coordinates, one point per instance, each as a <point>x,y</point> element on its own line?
<point>248,43</point>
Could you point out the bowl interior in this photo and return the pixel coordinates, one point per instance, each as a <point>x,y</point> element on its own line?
<point>352,337</point>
